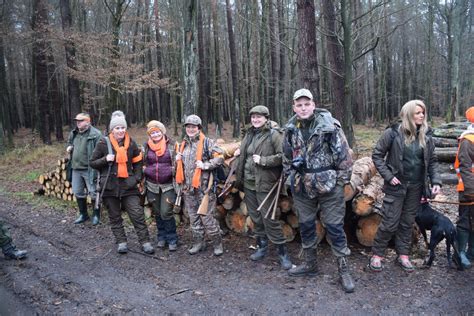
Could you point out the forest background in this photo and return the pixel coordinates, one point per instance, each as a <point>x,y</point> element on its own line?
<point>164,60</point>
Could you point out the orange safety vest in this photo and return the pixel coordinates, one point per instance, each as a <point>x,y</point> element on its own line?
<point>460,186</point>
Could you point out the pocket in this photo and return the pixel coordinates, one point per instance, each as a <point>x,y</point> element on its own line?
<point>388,204</point>
<point>320,182</point>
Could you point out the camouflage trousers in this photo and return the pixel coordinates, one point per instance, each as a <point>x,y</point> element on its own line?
<point>201,224</point>
<point>264,227</point>
<point>332,208</point>
<point>5,238</point>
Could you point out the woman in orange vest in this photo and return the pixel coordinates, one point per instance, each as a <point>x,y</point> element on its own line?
<point>464,165</point>
<point>196,157</point>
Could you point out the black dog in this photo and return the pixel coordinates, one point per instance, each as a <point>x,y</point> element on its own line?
<point>441,228</point>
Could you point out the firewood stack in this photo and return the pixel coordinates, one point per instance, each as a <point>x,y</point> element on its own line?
<point>446,146</point>
<point>55,183</point>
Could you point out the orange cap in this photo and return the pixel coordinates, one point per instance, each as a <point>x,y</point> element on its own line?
<point>470,114</point>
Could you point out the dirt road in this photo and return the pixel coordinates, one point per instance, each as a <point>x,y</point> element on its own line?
<point>75,270</point>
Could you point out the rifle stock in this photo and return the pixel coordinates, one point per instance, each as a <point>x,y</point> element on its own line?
<point>202,210</point>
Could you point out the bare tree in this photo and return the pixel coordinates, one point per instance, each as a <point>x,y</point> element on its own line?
<point>234,71</point>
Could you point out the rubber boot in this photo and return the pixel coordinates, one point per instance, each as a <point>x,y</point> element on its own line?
<point>11,252</point>
<point>344,272</point>
<point>284,257</point>
<point>148,248</point>
<point>470,247</point>
<point>309,267</point>
<point>96,216</point>
<point>122,248</point>
<point>83,216</point>
<point>462,238</point>
<point>199,245</point>
<point>262,248</point>
<point>218,247</point>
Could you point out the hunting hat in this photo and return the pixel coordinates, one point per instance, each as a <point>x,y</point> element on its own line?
<point>82,117</point>
<point>260,109</point>
<point>118,119</point>
<point>155,126</point>
<point>470,114</point>
<point>193,120</point>
<point>303,93</point>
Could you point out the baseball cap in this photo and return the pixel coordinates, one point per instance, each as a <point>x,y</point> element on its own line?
<point>302,93</point>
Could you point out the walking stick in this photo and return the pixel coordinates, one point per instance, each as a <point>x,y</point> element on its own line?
<point>273,207</point>
<point>267,197</point>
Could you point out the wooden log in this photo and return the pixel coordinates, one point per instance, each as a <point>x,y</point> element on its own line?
<point>288,232</point>
<point>445,142</point>
<point>364,203</point>
<point>367,228</point>
<point>228,203</point>
<point>229,149</point>
<point>67,184</point>
<point>236,222</point>
<point>320,232</point>
<point>285,203</point>
<point>447,154</point>
<point>362,171</point>
<point>220,212</point>
<point>449,178</point>
<point>241,194</point>
<point>250,224</point>
<point>64,175</point>
<point>41,179</point>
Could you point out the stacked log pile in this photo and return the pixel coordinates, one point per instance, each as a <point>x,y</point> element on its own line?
<point>55,183</point>
<point>446,146</point>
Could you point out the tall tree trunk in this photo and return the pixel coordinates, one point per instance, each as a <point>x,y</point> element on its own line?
<point>281,102</point>
<point>190,88</point>
<point>55,96</point>
<point>70,48</point>
<point>347,112</point>
<point>216,78</point>
<point>308,56</point>
<point>40,24</point>
<point>274,72</point>
<point>4,99</point>
<point>203,109</point>
<point>234,71</point>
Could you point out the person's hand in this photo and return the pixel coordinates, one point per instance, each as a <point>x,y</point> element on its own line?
<point>199,164</point>
<point>395,181</point>
<point>110,158</point>
<point>69,148</point>
<point>179,156</point>
<point>435,190</point>
<point>256,159</point>
<point>237,152</point>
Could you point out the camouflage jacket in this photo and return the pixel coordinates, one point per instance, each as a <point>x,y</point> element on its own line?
<point>315,166</point>
<point>211,157</point>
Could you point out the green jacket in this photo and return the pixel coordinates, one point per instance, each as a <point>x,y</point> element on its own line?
<point>270,147</point>
<point>93,138</point>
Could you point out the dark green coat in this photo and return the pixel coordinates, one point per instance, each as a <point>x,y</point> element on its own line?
<point>270,148</point>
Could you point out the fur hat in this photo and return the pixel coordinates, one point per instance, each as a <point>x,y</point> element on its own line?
<point>470,114</point>
<point>155,125</point>
<point>118,119</point>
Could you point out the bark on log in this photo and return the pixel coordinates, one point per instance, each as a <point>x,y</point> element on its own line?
<point>367,228</point>
<point>236,221</point>
<point>288,232</point>
<point>292,220</point>
<point>285,203</point>
<point>446,154</point>
<point>441,142</point>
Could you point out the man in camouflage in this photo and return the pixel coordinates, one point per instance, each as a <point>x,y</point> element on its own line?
<point>8,248</point>
<point>317,163</point>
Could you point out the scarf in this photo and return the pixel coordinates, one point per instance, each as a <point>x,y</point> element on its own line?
<point>121,155</point>
<point>197,173</point>
<point>159,148</point>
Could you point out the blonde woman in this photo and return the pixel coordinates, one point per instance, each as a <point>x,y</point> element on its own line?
<point>404,156</point>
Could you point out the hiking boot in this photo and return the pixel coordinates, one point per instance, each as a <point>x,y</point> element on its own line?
<point>285,261</point>
<point>199,245</point>
<point>405,263</point>
<point>83,216</point>
<point>122,248</point>
<point>148,248</point>
<point>309,267</point>
<point>11,252</point>
<point>173,247</point>
<point>218,248</point>
<point>96,216</point>
<point>161,243</point>
<point>375,263</point>
<point>262,248</point>
<point>344,272</point>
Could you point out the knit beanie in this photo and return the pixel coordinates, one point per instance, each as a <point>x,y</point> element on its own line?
<point>118,119</point>
<point>155,126</point>
<point>470,114</point>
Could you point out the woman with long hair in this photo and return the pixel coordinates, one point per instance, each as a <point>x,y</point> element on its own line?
<point>405,158</point>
